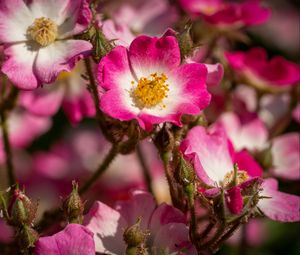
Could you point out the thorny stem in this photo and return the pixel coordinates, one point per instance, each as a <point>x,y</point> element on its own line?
<point>145,168</point>
<point>104,165</point>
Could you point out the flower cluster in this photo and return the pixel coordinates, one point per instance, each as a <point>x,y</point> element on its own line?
<point>141,127</point>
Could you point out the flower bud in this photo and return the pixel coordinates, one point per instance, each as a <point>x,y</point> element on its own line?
<point>101,45</point>
<point>185,41</point>
<point>22,210</point>
<point>133,235</point>
<point>73,206</point>
<point>164,140</point>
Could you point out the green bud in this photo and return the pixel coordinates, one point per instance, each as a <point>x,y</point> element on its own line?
<point>133,235</point>
<point>185,41</point>
<point>73,206</point>
<point>102,46</point>
<point>22,210</point>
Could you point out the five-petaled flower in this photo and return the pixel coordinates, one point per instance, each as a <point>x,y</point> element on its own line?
<point>146,82</point>
<point>38,39</point>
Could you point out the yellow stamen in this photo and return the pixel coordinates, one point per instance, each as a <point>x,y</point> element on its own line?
<point>150,91</point>
<point>43,30</point>
<point>241,177</point>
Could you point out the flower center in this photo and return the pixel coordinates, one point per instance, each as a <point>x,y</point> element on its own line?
<point>241,177</point>
<point>43,31</point>
<point>150,91</point>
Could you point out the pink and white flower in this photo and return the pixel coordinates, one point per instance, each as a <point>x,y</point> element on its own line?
<point>146,82</point>
<point>213,163</point>
<point>254,67</point>
<point>285,153</point>
<point>68,91</point>
<point>36,36</point>
<point>225,13</point>
<point>73,239</point>
<point>166,225</point>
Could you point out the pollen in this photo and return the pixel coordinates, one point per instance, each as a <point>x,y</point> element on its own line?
<point>241,177</point>
<point>43,30</point>
<point>151,91</point>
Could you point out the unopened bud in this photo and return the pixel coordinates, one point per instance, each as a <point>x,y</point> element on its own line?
<point>73,206</point>
<point>133,235</point>
<point>102,46</point>
<point>22,210</point>
<point>185,41</point>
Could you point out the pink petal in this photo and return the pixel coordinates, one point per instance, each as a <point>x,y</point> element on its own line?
<point>64,55</point>
<point>174,237</point>
<point>108,226</point>
<point>247,163</point>
<point>234,200</point>
<point>141,204</point>
<point>280,206</point>
<point>215,74</point>
<point>19,66</point>
<point>285,153</point>
<point>73,238</point>
<point>151,52</point>
<point>165,214</point>
<point>209,152</point>
<point>43,101</point>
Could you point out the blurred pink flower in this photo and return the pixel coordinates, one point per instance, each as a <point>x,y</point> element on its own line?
<point>166,225</point>
<point>147,17</point>
<point>126,75</point>
<point>251,135</point>
<point>225,13</point>
<point>35,30</point>
<point>253,65</point>
<point>73,239</point>
<point>285,153</point>
<point>69,91</point>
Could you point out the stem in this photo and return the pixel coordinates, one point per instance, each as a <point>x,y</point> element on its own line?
<point>242,249</point>
<point>105,164</point>
<point>145,168</point>
<point>8,151</point>
<point>168,173</point>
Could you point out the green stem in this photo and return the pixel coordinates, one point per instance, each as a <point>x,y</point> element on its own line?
<point>145,168</point>
<point>105,164</point>
<point>8,150</point>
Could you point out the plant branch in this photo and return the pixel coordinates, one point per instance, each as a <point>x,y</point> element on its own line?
<point>145,168</point>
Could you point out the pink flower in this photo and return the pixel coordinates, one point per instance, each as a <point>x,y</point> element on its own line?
<point>276,73</point>
<point>285,153</point>
<point>147,17</point>
<point>73,239</point>
<point>166,225</point>
<point>277,205</point>
<point>225,13</point>
<point>214,161</point>
<point>147,83</point>
<point>120,34</point>
<point>251,135</point>
<point>68,91</point>
<point>35,30</point>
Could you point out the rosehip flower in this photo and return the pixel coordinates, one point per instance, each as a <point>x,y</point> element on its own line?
<point>165,225</point>
<point>285,153</point>
<point>36,36</point>
<point>213,162</point>
<point>147,83</point>
<point>68,91</point>
<point>74,238</point>
<point>225,13</point>
<point>276,205</point>
<point>254,68</point>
